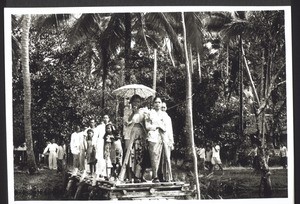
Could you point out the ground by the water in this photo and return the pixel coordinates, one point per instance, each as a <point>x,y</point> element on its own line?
<point>233,183</point>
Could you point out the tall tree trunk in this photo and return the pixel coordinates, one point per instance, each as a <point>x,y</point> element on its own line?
<point>154,70</point>
<point>27,93</point>
<point>105,59</point>
<point>241,92</point>
<point>199,66</point>
<point>191,58</point>
<point>189,108</point>
<point>249,76</point>
<point>227,60</point>
<point>265,187</point>
<point>127,50</point>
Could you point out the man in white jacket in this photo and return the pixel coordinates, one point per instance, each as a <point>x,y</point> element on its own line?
<point>75,147</point>
<point>52,148</point>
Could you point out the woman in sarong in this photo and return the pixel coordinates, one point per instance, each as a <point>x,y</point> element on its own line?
<point>134,137</point>
<point>156,126</point>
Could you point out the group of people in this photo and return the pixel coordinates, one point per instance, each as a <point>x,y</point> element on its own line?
<point>96,149</point>
<point>209,157</point>
<point>56,154</point>
<point>147,141</point>
<point>254,153</point>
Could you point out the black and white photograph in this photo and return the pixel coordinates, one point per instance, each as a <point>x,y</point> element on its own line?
<point>149,103</point>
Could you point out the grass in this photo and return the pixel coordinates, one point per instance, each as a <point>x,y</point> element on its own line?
<point>46,184</point>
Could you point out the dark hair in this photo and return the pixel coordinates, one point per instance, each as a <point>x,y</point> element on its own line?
<point>135,96</point>
<point>156,97</point>
<point>90,130</point>
<point>113,128</point>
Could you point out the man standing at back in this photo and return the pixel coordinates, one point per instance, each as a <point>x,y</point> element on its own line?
<point>75,147</point>
<point>283,155</point>
<point>99,145</point>
<point>216,159</point>
<point>52,148</point>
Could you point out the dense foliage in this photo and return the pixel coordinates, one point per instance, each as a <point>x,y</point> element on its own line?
<point>76,64</point>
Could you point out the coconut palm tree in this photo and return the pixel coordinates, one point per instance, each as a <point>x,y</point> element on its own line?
<point>189,108</point>
<point>32,167</point>
<point>167,25</point>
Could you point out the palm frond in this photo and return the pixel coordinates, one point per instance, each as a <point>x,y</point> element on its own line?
<point>43,22</point>
<point>195,30</point>
<point>88,26</point>
<point>214,22</point>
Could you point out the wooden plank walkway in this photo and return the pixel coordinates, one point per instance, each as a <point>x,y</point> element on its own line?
<point>88,188</point>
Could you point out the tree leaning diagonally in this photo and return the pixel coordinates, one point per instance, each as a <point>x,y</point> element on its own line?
<point>27,93</point>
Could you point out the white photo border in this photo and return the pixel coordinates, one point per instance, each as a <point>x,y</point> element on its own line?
<point>123,9</point>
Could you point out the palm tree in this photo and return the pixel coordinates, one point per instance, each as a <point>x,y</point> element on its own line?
<point>166,24</point>
<point>27,92</point>
<point>189,108</point>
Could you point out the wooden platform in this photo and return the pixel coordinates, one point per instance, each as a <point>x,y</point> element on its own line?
<point>88,188</point>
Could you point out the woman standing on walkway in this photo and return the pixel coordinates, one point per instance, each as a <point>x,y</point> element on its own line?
<point>156,126</point>
<point>135,132</point>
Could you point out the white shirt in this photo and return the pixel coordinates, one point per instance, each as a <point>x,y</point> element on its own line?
<point>99,141</point>
<point>216,151</point>
<point>52,147</point>
<point>82,140</point>
<point>201,153</point>
<point>75,143</point>
<point>156,119</point>
<point>283,151</point>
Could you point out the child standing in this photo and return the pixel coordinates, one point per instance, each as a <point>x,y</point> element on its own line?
<point>91,152</point>
<point>108,137</point>
<point>116,154</point>
<point>60,157</point>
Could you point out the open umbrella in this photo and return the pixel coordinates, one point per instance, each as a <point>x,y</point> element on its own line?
<point>129,90</point>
